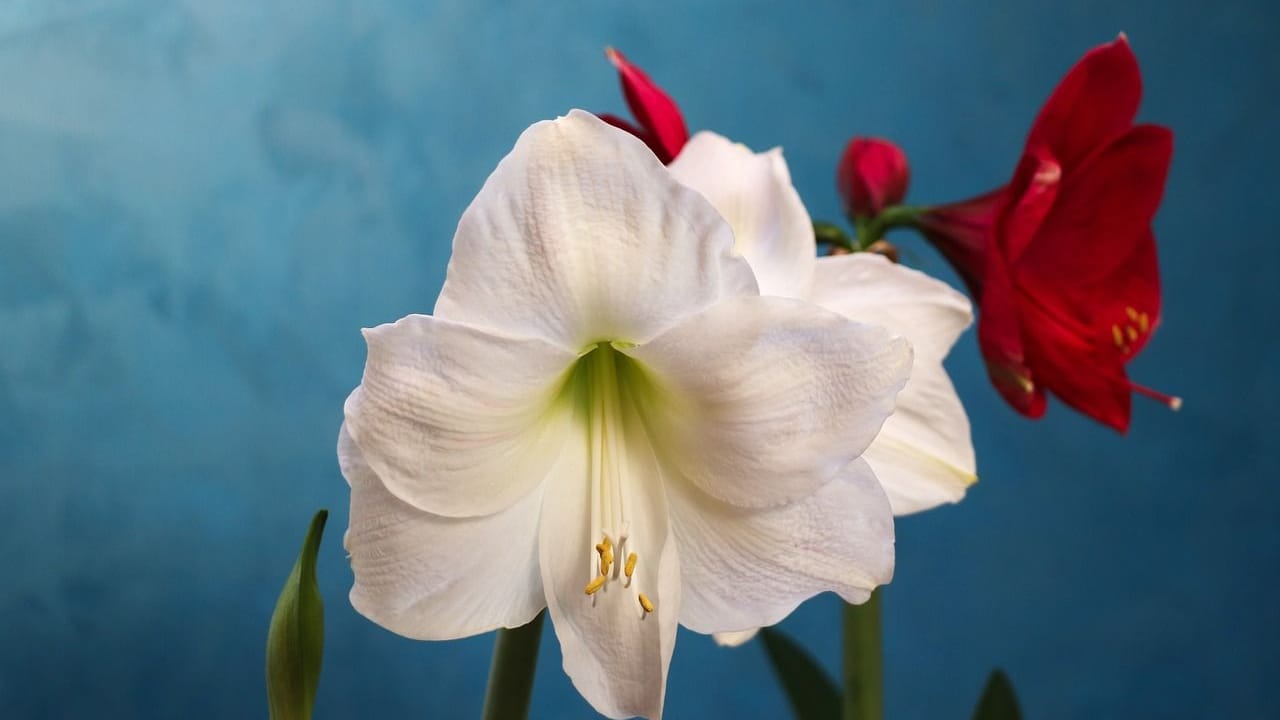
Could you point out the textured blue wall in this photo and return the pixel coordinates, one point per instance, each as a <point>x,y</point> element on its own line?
<point>202,202</point>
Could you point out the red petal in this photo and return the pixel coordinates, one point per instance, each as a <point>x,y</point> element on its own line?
<point>961,232</point>
<point>656,112</point>
<point>1031,197</point>
<point>1081,373</point>
<point>873,174</point>
<point>1096,101</point>
<point>1094,259</point>
<point>1000,337</point>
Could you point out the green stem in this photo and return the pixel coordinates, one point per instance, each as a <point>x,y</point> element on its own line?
<point>873,229</point>
<point>515,658</point>
<point>863,667</point>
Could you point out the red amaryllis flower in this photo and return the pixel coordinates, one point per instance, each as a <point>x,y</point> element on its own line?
<point>873,174</point>
<point>661,126</point>
<point>1063,259</point>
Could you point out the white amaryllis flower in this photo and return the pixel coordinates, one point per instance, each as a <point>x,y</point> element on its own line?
<point>605,418</point>
<point>924,455</point>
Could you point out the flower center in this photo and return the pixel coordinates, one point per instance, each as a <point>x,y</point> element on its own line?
<point>609,385</point>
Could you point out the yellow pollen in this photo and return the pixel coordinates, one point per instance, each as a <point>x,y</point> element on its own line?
<point>646,603</point>
<point>595,585</point>
<point>1115,335</point>
<point>630,567</point>
<point>1133,334</point>
<point>1144,322</point>
<point>606,560</point>
<point>1133,314</point>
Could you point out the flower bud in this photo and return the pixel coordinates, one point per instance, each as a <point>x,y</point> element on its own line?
<point>873,175</point>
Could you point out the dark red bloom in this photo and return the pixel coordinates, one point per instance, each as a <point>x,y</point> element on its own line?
<point>1062,259</point>
<point>661,126</point>
<point>873,174</point>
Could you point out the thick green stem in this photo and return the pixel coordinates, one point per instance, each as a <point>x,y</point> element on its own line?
<point>863,666</point>
<point>515,658</point>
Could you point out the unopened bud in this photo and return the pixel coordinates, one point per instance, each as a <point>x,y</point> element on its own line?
<point>873,174</point>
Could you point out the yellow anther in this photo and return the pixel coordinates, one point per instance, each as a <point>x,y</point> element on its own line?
<point>1144,321</point>
<point>606,561</point>
<point>646,603</point>
<point>1133,334</point>
<point>630,567</point>
<point>595,585</point>
<point>1117,336</point>
<point>1133,314</point>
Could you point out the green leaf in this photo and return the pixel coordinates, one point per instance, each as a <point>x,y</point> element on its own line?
<point>812,694</point>
<point>998,701</point>
<point>295,641</point>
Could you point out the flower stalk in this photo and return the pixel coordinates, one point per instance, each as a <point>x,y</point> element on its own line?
<point>515,660</point>
<point>863,665</point>
<point>896,216</point>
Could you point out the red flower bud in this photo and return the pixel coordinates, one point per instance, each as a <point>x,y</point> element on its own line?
<point>661,126</point>
<point>1063,260</point>
<point>873,174</point>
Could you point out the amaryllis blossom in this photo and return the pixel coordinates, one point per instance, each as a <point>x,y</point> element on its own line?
<point>872,175</point>
<point>924,455</point>
<point>1063,259</point>
<point>605,418</point>
<point>661,126</point>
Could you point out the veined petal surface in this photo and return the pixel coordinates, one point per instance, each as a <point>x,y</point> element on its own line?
<point>580,235</point>
<point>924,454</point>
<point>753,192</point>
<point>430,577</point>
<point>765,399</point>
<point>749,568</point>
<point>456,420</point>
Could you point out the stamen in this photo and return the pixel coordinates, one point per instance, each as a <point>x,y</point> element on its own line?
<point>594,586</point>
<point>630,567</point>
<point>646,603</point>
<point>1144,321</point>
<point>1133,334</point>
<point>606,560</point>
<point>1172,401</point>
<point>1115,335</point>
<point>1133,314</point>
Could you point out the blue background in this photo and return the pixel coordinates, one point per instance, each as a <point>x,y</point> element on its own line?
<point>202,202</point>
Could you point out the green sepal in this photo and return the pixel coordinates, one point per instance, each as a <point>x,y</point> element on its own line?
<point>295,640</point>
<point>998,701</point>
<point>812,694</point>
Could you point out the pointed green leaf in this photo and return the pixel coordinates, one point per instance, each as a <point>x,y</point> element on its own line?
<point>809,690</point>
<point>998,701</point>
<point>295,641</point>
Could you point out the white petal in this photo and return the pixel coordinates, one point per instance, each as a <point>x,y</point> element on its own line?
<point>458,421</point>
<point>580,235</point>
<point>436,578</point>
<point>615,654</point>
<point>924,455</point>
<point>869,288</point>
<point>767,398</point>
<point>734,639</point>
<point>753,192</point>
<point>745,569</point>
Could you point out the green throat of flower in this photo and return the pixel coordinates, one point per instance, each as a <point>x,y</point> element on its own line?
<point>612,395</point>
